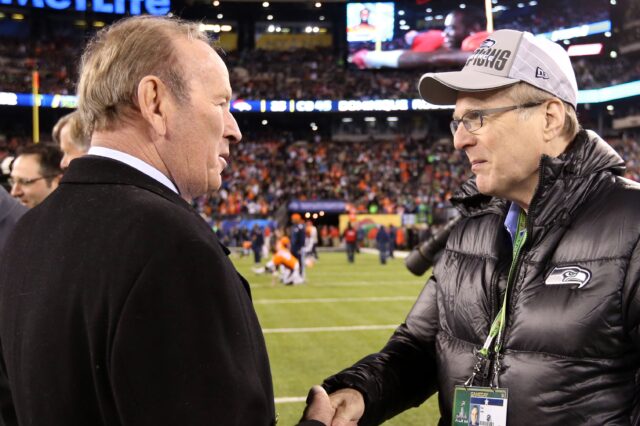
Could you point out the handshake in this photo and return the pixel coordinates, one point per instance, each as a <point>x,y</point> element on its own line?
<point>344,407</point>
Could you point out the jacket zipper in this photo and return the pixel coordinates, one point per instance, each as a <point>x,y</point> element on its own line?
<point>518,266</point>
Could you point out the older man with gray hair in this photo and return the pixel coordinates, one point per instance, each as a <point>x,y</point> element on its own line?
<point>532,314</point>
<point>118,305</point>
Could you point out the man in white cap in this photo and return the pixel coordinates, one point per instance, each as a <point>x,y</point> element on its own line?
<point>532,314</point>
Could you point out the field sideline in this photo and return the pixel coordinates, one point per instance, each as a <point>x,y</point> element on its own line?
<point>344,312</point>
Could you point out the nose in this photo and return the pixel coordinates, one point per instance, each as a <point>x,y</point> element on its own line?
<point>462,138</point>
<point>16,190</point>
<point>231,130</point>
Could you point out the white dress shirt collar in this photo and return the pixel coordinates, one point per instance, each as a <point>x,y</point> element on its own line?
<point>134,162</point>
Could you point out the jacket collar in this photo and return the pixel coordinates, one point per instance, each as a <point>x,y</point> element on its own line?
<point>92,169</point>
<point>564,183</point>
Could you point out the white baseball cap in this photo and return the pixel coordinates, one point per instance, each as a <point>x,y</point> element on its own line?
<point>505,58</point>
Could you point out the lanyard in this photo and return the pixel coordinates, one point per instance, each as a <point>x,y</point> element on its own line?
<point>499,323</point>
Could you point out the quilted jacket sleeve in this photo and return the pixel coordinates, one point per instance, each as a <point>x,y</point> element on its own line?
<point>631,311</point>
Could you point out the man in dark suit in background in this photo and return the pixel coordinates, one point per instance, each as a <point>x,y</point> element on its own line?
<point>118,305</point>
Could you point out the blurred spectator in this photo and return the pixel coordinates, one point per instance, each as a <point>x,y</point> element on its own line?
<point>350,240</point>
<point>382,241</point>
<point>35,173</point>
<point>70,135</point>
<point>297,239</point>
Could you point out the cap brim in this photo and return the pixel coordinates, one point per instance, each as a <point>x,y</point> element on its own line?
<point>442,88</point>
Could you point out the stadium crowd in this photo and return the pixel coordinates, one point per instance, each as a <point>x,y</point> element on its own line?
<point>262,74</point>
<point>398,176</point>
<point>393,176</point>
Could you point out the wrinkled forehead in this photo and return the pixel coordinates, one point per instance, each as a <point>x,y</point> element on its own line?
<point>200,61</point>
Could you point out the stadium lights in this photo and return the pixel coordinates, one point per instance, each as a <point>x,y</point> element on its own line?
<point>220,16</point>
<point>269,17</point>
<point>318,4</point>
<point>216,3</point>
<point>215,28</point>
<point>265,4</point>
<point>585,49</point>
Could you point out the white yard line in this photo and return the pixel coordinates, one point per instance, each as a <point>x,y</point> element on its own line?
<point>328,283</point>
<point>290,399</point>
<point>334,300</point>
<point>322,329</point>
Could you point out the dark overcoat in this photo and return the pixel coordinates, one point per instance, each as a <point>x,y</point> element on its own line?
<point>118,306</point>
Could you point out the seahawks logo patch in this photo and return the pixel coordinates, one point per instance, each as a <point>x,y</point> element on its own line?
<point>568,275</point>
<point>487,43</point>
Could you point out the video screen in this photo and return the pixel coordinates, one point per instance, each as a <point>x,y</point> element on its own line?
<point>436,36</point>
<point>370,22</point>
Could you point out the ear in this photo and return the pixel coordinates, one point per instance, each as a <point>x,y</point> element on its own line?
<point>553,119</point>
<point>153,100</point>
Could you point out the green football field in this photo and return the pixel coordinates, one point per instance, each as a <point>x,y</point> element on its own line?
<point>344,312</point>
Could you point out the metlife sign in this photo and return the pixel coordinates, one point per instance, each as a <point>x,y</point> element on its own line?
<point>118,7</point>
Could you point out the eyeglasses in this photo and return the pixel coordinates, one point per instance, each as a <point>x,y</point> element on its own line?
<point>25,182</point>
<point>474,119</point>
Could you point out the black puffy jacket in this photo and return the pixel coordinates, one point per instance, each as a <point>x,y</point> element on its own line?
<point>571,353</point>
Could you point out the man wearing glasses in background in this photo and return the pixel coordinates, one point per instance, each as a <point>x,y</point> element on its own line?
<point>532,314</point>
<point>35,173</point>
